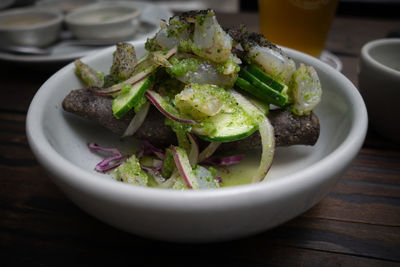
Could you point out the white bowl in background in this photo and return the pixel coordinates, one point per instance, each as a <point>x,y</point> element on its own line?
<point>379,84</point>
<point>299,178</point>
<point>29,26</point>
<point>104,21</point>
<point>64,6</point>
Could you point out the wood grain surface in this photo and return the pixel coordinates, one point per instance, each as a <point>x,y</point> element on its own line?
<point>356,224</point>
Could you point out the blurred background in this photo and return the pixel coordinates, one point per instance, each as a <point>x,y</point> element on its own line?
<point>67,47</point>
<point>375,8</point>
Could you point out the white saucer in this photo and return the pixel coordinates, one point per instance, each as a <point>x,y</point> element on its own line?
<point>331,60</point>
<point>63,51</point>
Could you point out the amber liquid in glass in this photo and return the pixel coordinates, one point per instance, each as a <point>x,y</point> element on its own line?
<point>299,24</point>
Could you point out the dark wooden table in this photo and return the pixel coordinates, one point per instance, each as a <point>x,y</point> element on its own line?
<point>356,224</point>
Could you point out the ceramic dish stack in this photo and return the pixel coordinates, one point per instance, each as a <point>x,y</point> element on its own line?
<point>65,6</point>
<point>59,34</point>
<point>29,27</point>
<point>111,21</point>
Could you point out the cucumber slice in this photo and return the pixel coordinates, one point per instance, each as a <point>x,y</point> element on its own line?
<point>226,127</point>
<point>265,78</point>
<point>262,105</point>
<point>259,89</point>
<point>257,92</point>
<point>126,101</point>
<point>249,107</point>
<point>231,124</point>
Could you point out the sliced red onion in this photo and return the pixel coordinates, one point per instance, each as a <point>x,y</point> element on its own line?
<point>110,162</point>
<point>158,152</point>
<point>106,164</point>
<point>159,60</point>
<point>137,120</point>
<point>94,146</point>
<point>140,153</point>
<point>118,87</point>
<point>170,53</point>
<point>208,151</point>
<point>224,161</point>
<point>194,149</point>
<point>219,179</point>
<point>185,169</point>
<point>157,100</point>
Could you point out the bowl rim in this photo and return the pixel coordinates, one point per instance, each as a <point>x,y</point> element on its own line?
<point>57,19</point>
<point>65,172</point>
<point>55,3</point>
<point>366,49</point>
<point>70,18</point>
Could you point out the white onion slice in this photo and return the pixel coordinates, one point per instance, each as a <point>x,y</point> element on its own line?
<point>137,120</point>
<point>266,132</point>
<point>194,149</point>
<point>157,164</point>
<point>185,169</point>
<point>268,149</point>
<point>208,151</point>
<point>157,101</point>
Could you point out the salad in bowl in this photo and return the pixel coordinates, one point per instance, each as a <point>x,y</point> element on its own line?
<point>199,97</point>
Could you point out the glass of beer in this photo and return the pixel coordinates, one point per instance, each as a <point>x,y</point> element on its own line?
<point>299,24</point>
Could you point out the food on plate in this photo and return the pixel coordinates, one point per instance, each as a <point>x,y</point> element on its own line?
<point>199,91</point>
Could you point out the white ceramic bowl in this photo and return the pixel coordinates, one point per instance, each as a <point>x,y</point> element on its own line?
<point>379,83</point>
<point>29,26</point>
<point>104,21</point>
<point>64,6</point>
<point>299,178</point>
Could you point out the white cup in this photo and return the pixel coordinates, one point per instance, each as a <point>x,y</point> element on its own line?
<point>379,84</point>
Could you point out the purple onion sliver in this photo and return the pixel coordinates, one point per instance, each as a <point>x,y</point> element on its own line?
<point>155,102</point>
<point>140,153</point>
<point>94,146</point>
<point>219,179</point>
<point>158,152</point>
<point>103,91</point>
<point>224,161</point>
<point>106,169</point>
<point>105,166</point>
<point>231,160</point>
<point>145,168</point>
<point>181,168</point>
<point>105,162</point>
